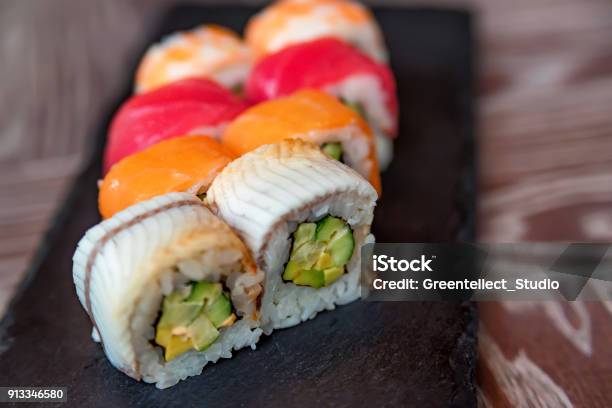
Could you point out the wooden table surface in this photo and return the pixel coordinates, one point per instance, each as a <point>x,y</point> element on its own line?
<point>544,128</point>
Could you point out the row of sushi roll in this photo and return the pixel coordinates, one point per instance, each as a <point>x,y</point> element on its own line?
<point>239,185</point>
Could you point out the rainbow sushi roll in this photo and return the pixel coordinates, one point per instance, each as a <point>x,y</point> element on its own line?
<point>304,217</point>
<point>208,51</point>
<point>190,106</point>
<point>313,116</point>
<point>168,288</point>
<point>288,22</point>
<point>335,67</point>
<point>182,164</point>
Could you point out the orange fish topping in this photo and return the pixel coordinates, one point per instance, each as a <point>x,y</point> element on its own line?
<point>187,163</point>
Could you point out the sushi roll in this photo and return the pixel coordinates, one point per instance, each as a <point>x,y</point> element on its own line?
<point>168,288</point>
<point>336,67</point>
<point>190,106</point>
<point>289,22</point>
<point>304,216</point>
<point>313,116</point>
<point>207,51</point>
<point>183,164</point>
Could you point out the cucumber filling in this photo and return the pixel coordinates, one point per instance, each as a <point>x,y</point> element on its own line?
<point>319,253</point>
<point>333,150</point>
<point>191,318</point>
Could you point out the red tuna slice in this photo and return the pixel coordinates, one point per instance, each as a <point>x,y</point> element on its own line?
<point>183,107</point>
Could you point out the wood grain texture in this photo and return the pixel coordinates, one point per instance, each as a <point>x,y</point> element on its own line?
<point>546,174</point>
<point>544,128</point>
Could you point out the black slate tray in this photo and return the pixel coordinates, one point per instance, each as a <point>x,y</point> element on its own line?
<point>363,354</point>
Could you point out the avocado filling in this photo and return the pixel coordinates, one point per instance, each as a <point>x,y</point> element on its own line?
<point>319,253</point>
<point>333,150</point>
<point>191,318</point>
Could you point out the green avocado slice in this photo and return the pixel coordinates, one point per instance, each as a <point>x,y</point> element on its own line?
<point>292,269</point>
<point>192,321</point>
<point>218,311</point>
<point>338,238</point>
<point>204,292</point>
<point>176,312</point>
<point>328,227</point>
<point>332,274</point>
<point>202,333</point>
<point>311,277</point>
<point>333,150</point>
<point>308,254</point>
<point>342,247</point>
<point>320,252</point>
<point>304,233</point>
<point>176,346</point>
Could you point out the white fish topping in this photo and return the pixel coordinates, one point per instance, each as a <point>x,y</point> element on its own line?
<point>265,194</point>
<point>256,192</point>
